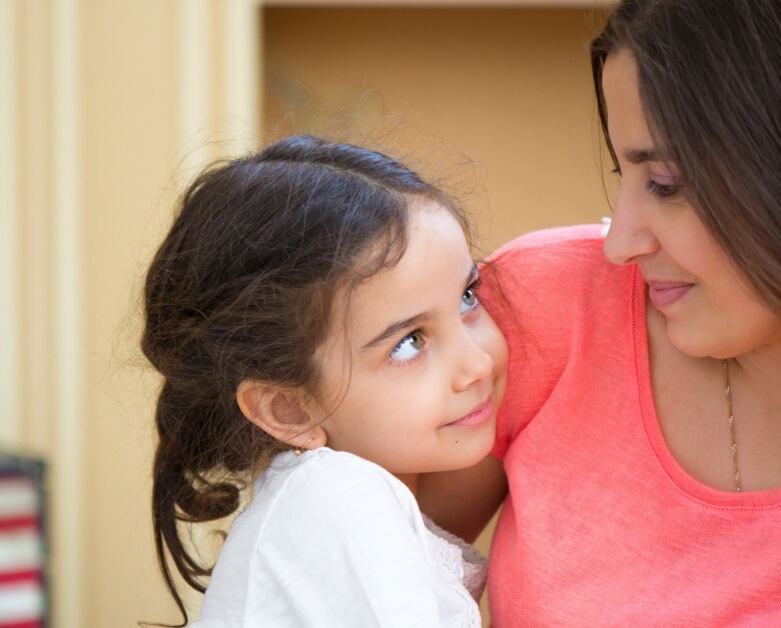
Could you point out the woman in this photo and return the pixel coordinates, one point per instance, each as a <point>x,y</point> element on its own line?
<point>641,431</point>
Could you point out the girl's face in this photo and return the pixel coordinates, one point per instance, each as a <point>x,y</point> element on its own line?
<point>709,308</point>
<point>417,370</point>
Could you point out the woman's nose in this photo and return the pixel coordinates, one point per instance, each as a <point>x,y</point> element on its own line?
<point>630,234</point>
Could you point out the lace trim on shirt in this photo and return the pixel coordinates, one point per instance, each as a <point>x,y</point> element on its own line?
<point>461,558</point>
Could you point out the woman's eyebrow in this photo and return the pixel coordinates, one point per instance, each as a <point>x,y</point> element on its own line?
<point>642,155</point>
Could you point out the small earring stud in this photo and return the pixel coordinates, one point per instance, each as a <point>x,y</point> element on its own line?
<point>302,448</point>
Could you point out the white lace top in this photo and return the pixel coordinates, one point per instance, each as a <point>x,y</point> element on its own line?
<point>332,540</point>
<point>454,550</point>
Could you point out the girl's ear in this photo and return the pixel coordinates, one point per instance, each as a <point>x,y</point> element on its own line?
<point>279,413</point>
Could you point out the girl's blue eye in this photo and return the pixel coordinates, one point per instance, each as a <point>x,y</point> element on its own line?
<point>409,347</point>
<point>469,299</point>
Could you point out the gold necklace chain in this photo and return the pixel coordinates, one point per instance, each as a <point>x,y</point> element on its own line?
<point>728,394</point>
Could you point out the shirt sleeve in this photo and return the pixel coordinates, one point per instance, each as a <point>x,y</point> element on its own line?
<point>345,546</point>
<point>538,289</point>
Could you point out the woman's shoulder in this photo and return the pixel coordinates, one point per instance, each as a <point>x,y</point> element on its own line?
<point>553,249</point>
<point>552,272</point>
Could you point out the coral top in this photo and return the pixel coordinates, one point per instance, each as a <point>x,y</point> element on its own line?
<point>602,527</point>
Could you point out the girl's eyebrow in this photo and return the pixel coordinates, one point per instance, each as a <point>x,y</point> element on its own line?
<point>413,321</point>
<point>396,327</point>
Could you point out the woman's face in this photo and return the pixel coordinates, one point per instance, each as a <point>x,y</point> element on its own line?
<point>708,306</point>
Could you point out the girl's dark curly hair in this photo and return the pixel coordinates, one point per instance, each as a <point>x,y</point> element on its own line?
<point>241,288</point>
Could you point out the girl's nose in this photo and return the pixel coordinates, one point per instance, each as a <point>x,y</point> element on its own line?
<point>474,363</point>
<point>630,234</point>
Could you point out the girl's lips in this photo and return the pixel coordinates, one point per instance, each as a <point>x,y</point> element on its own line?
<point>664,293</point>
<point>479,415</point>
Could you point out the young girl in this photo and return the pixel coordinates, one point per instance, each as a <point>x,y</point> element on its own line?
<point>314,316</point>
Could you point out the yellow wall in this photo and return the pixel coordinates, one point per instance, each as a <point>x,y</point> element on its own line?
<point>106,105</point>
<point>509,88</point>
<point>129,149</point>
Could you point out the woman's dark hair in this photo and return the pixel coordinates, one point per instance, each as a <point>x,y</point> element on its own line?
<point>243,287</point>
<point>710,82</point>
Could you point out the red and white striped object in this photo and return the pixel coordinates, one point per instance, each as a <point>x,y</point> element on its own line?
<point>22,551</point>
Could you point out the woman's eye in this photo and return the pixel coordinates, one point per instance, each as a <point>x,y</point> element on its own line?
<point>662,190</point>
<point>409,347</point>
<point>469,300</point>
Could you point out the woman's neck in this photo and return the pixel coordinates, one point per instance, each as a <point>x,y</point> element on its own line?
<point>692,408</point>
<point>755,382</point>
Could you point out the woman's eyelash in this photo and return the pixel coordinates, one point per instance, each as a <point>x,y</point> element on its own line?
<point>662,191</point>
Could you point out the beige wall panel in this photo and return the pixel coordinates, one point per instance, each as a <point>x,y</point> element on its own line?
<point>155,108</point>
<point>507,87</point>
<point>34,170</point>
<point>102,110</point>
<point>130,147</point>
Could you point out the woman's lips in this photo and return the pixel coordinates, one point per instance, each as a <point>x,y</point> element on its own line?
<point>664,293</point>
<point>479,415</point>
